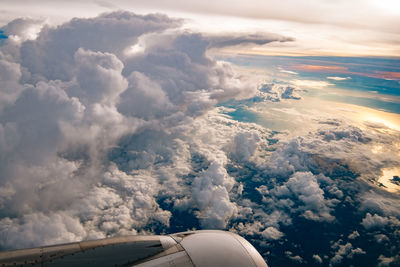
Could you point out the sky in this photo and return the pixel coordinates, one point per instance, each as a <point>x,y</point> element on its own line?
<point>320,27</point>
<point>279,121</point>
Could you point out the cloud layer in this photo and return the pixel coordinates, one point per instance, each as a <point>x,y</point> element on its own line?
<point>116,125</point>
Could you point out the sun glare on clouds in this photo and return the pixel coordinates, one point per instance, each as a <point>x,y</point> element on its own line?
<point>389,6</point>
<point>387,179</point>
<point>311,84</point>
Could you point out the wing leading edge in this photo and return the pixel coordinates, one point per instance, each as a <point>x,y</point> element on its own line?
<point>188,249</point>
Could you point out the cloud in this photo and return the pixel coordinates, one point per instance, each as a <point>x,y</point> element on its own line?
<point>98,142</point>
<point>353,235</point>
<point>320,68</point>
<point>337,69</point>
<point>22,29</point>
<point>10,74</point>
<point>344,251</point>
<point>318,18</point>
<point>303,186</point>
<point>380,238</point>
<point>51,55</point>
<point>219,41</point>
<point>287,71</point>
<point>48,229</point>
<point>106,4</point>
<point>374,221</point>
<point>210,195</point>
<point>278,92</point>
<point>244,145</point>
<point>295,258</point>
<point>317,259</point>
<point>271,233</point>
<point>387,261</point>
<point>338,78</point>
<point>311,84</point>
<point>80,118</point>
<point>374,202</point>
<point>388,75</point>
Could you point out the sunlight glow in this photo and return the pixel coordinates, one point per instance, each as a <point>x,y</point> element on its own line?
<point>311,84</point>
<point>380,120</point>
<point>389,6</point>
<point>387,179</point>
<point>135,49</point>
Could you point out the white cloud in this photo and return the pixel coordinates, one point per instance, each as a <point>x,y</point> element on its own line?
<point>288,71</point>
<point>311,84</point>
<point>51,54</point>
<point>244,145</point>
<point>210,194</point>
<point>271,233</point>
<point>279,92</point>
<point>38,228</point>
<point>304,187</point>
<point>335,78</point>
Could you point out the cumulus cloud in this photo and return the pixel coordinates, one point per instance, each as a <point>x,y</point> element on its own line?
<point>344,251</point>
<point>303,186</point>
<point>381,238</point>
<point>22,29</point>
<point>387,261</point>
<point>295,258</point>
<point>210,195</point>
<point>244,145</point>
<point>10,74</point>
<point>38,228</point>
<point>279,92</point>
<point>50,55</point>
<point>271,233</point>
<point>93,135</point>
<point>374,221</point>
<point>353,235</point>
<point>374,202</point>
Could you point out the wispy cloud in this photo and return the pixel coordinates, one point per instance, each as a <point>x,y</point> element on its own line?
<point>320,68</point>
<point>338,69</point>
<point>288,71</point>
<point>311,84</point>
<point>335,78</point>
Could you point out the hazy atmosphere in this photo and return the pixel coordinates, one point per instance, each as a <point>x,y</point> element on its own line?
<point>276,120</point>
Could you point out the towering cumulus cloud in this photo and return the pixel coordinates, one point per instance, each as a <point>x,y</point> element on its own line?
<point>122,124</point>
<point>92,132</point>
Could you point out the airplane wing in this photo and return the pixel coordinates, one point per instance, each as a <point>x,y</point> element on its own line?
<point>188,249</point>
